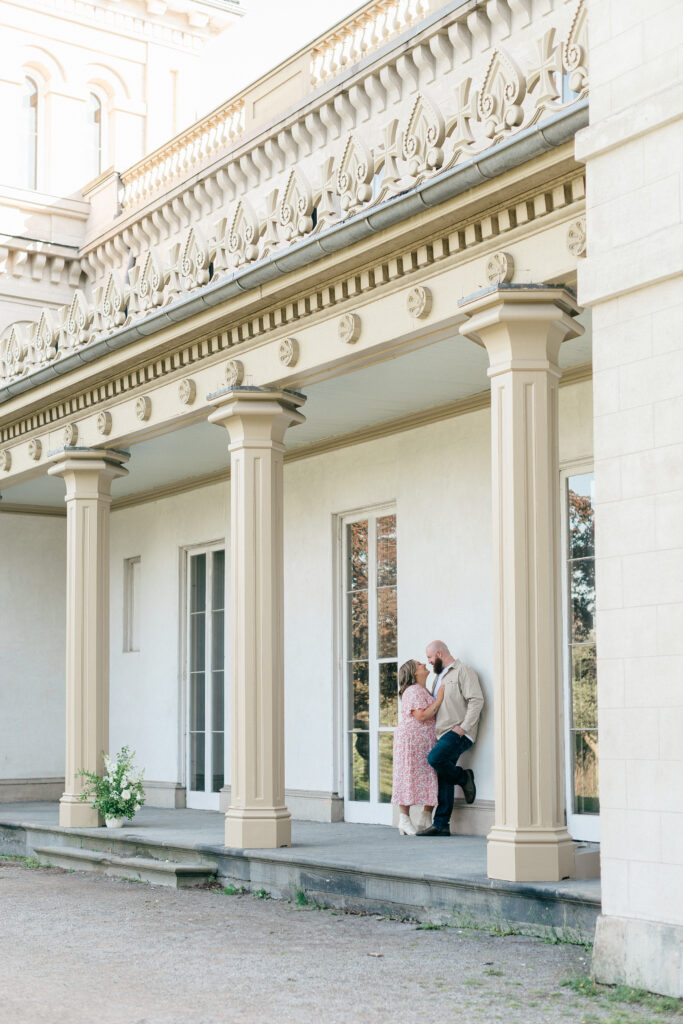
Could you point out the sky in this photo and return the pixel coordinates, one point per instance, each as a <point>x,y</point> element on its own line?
<point>268,33</point>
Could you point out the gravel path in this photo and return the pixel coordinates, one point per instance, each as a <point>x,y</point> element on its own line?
<point>82,949</point>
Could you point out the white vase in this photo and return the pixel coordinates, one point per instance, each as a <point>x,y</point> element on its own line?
<point>113,822</point>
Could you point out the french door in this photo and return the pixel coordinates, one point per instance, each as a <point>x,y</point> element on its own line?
<point>581,682</point>
<point>369,659</point>
<point>205,770</point>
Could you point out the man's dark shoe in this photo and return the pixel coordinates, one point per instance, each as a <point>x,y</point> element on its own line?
<point>468,786</point>
<point>434,831</point>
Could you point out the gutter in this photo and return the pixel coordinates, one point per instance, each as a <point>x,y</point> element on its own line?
<point>525,146</point>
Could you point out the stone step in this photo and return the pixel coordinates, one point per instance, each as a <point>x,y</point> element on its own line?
<point>139,869</point>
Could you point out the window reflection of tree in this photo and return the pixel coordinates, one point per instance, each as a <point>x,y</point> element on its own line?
<point>584,674</point>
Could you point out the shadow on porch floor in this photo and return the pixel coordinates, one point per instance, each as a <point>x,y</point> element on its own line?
<point>358,867</point>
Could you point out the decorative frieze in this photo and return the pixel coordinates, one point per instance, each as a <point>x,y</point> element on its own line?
<point>456,243</point>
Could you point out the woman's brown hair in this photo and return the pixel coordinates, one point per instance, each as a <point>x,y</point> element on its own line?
<point>406,676</point>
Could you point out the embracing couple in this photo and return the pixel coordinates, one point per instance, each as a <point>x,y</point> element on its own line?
<point>434,730</point>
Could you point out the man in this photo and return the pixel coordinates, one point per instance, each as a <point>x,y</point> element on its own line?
<point>457,721</point>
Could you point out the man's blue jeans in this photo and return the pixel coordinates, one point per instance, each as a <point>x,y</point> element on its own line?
<point>443,758</point>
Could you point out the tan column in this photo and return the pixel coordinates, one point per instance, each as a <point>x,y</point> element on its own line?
<point>522,329</point>
<point>256,420</point>
<point>88,474</point>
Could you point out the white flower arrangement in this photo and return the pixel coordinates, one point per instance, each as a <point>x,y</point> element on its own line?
<point>120,792</point>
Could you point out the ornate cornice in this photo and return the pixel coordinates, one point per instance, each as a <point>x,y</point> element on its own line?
<point>562,198</point>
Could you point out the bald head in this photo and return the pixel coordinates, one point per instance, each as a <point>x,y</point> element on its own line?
<point>438,656</point>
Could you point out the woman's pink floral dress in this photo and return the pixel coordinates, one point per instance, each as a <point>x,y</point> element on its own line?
<point>414,779</point>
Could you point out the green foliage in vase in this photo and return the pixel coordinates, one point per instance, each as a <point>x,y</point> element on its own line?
<point>120,792</point>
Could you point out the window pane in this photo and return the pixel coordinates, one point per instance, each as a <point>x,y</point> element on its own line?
<point>217,640</point>
<point>198,583</point>
<point>218,703</point>
<point>582,591</point>
<point>357,548</point>
<point>581,520</point>
<point>387,629</point>
<point>586,794</point>
<point>388,694</point>
<point>218,596</point>
<point>360,770</point>
<point>386,551</point>
<point>584,687</point>
<point>197,701</point>
<point>197,761</point>
<point>197,642</point>
<point>386,762</point>
<point>217,763</point>
<point>359,687</point>
<point>358,625</point>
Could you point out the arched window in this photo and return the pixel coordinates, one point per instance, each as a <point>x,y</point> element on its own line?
<point>94,135</point>
<point>29,102</point>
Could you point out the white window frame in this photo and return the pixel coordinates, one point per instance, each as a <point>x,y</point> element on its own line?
<point>364,812</point>
<point>582,827</point>
<point>196,798</point>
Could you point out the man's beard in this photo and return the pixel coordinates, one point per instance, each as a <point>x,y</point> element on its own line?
<point>437,665</point>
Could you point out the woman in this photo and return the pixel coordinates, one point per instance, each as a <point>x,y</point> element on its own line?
<point>414,779</point>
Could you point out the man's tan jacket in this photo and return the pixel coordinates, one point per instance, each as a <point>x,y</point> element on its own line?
<point>462,701</point>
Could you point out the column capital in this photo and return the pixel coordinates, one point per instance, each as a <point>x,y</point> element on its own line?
<point>521,326</point>
<point>88,472</point>
<point>256,415</point>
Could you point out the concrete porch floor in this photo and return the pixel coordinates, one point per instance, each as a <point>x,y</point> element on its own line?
<point>357,867</point>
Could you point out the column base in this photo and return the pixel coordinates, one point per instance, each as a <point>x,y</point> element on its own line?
<point>260,828</point>
<point>74,814</point>
<point>530,855</point>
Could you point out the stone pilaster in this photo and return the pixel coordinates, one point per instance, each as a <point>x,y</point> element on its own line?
<point>256,420</point>
<point>522,329</point>
<point>88,474</point>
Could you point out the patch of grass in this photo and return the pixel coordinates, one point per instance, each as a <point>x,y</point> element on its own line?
<point>301,899</point>
<point>427,927</point>
<point>18,857</point>
<point>25,862</point>
<point>493,973</point>
<point>233,890</point>
<point>585,986</point>
<point>262,894</point>
<point>34,863</point>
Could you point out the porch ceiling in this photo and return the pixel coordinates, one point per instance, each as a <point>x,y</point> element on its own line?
<point>446,371</point>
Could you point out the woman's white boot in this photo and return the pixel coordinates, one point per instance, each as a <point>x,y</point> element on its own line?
<point>425,820</point>
<point>405,826</point>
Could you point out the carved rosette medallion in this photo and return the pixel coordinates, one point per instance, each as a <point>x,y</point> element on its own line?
<point>419,302</point>
<point>187,391</point>
<point>70,435</point>
<point>349,328</point>
<point>289,351</point>
<point>143,407</point>
<point>500,268</point>
<point>104,423</point>
<point>35,448</point>
<point>5,460</point>
<point>234,373</point>
<point>576,237</point>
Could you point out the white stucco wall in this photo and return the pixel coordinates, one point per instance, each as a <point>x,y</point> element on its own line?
<point>439,478</point>
<point>33,623</point>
